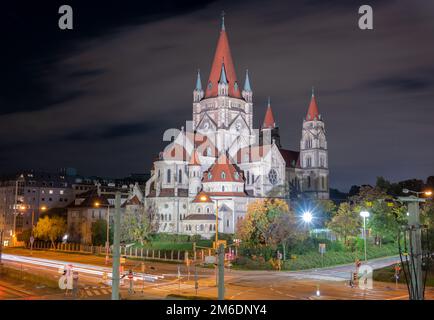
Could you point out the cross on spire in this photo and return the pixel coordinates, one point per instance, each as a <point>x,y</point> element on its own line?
<point>223,20</point>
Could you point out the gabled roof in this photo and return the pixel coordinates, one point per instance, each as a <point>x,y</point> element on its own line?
<point>292,158</point>
<point>135,201</point>
<point>222,170</point>
<point>174,152</point>
<point>222,55</point>
<point>269,122</point>
<point>312,112</point>
<point>194,160</point>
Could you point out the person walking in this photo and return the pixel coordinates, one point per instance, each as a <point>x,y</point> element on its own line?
<point>131,278</point>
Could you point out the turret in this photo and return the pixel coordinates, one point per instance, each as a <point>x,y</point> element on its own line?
<point>198,92</point>
<point>223,82</point>
<point>247,91</point>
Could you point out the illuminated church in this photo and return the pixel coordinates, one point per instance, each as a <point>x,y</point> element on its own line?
<point>221,160</point>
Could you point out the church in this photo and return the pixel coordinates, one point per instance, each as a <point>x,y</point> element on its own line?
<point>219,163</point>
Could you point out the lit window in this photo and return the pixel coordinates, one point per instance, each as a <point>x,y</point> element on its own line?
<point>50,192</point>
<point>61,191</point>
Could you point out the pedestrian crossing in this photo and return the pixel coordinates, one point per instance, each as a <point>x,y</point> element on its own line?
<point>96,291</point>
<point>173,286</point>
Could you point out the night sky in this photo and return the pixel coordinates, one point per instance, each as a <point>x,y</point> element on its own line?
<point>99,97</point>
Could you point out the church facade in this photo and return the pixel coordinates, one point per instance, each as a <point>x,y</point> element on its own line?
<point>220,162</point>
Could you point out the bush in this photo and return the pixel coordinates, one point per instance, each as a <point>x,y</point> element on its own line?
<point>311,259</point>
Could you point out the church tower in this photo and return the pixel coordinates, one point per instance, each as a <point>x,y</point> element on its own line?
<point>314,154</point>
<point>194,175</point>
<point>269,129</point>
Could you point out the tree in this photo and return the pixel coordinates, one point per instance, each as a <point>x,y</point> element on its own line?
<point>99,232</point>
<point>267,222</point>
<point>386,215</point>
<point>139,225</point>
<point>346,222</point>
<point>50,228</point>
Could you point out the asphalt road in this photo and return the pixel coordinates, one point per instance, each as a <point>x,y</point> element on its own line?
<point>327,283</point>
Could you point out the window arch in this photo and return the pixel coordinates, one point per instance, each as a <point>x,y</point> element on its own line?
<point>248,177</point>
<point>168,175</point>
<point>223,188</point>
<point>198,209</point>
<point>223,175</point>
<point>308,181</point>
<point>207,210</point>
<point>180,176</point>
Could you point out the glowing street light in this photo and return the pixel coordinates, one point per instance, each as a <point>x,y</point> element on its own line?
<point>307,216</point>
<point>417,193</point>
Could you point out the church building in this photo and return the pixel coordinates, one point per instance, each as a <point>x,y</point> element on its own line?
<point>220,162</point>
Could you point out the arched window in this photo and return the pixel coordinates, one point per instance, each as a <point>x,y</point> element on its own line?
<point>168,175</point>
<point>253,178</point>
<point>227,223</point>
<point>308,162</point>
<point>248,177</point>
<point>223,188</point>
<point>180,176</point>
<point>198,210</point>
<point>201,227</point>
<point>223,175</point>
<point>308,182</point>
<point>162,217</point>
<point>170,217</point>
<point>209,175</point>
<point>207,210</point>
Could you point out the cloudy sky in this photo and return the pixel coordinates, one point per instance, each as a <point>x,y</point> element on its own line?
<point>99,97</point>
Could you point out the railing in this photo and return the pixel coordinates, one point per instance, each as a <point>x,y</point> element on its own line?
<point>130,252</point>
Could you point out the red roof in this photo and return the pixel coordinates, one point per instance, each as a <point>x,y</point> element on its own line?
<point>222,55</point>
<point>174,152</point>
<point>269,122</point>
<point>194,161</point>
<point>222,170</point>
<point>292,158</point>
<point>227,194</point>
<point>312,113</point>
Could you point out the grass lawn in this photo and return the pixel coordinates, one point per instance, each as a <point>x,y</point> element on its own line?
<point>387,274</point>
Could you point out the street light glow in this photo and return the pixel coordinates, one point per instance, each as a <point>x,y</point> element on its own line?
<point>428,192</point>
<point>364,214</point>
<point>96,204</point>
<point>307,216</point>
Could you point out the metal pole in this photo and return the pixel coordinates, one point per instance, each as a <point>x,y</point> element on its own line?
<point>221,266</point>
<point>415,254</point>
<point>107,242</point>
<point>217,223</point>
<point>116,247</point>
<point>31,242</point>
<point>1,245</point>
<point>364,235</point>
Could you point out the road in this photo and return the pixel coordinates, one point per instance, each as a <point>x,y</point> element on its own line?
<point>330,282</point>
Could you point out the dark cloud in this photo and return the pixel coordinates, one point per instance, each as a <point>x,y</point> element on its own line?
<point>100,97</point>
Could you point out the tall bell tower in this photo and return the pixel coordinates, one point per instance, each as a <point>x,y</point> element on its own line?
<point>314,154</point>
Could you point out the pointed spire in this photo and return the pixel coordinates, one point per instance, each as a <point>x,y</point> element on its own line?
<point>222,53</point>
<point>198,81</point>
<point>269,122</point>
<point>223,75</point>
<point>247,82</point>
<point>312,112</point>
<point>223,21</point>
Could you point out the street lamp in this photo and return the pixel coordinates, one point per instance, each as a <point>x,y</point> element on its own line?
<point>307,216</point>
<point>107,243</point>
<point>364,214</point>
<point>417,193</point>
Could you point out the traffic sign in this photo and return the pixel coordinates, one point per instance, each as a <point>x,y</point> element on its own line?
<point>32,239</point>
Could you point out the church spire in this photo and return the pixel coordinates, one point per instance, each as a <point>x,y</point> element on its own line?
<point>269,122</point>
<point>247,82</point>
<point>312,112</point>
<point>223,21</point>
<point>223,79</point>
<point>198,81</point>
<point>222,53</point>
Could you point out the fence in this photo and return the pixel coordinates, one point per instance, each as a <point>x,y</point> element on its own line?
<point>129,252</point>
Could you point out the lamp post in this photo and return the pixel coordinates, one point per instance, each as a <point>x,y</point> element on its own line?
<point>414,253</point>
<point>364,214</point>
<point>107,242</point>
